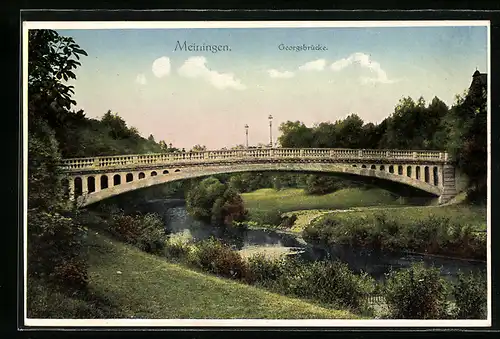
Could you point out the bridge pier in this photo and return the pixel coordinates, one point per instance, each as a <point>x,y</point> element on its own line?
<point>71,188</point>
<point>449,184</point>
<point>85,188</point>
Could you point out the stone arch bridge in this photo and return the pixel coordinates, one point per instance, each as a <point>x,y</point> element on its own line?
<point>97,178</point>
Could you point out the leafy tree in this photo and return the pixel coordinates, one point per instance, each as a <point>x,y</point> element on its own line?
<point>349,131</point>
<point>295,135</point>
<point>215,202</point>
<point>50,62</point>
<point>199,148</point>
<point>467,138</point>
<point>116,124</point>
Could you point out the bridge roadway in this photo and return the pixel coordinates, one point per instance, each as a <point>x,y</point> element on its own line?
<point>97,178</point>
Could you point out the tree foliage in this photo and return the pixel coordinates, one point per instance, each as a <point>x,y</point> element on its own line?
<point>414,124</point>
<point>54,240</point>
<point>213,201</point>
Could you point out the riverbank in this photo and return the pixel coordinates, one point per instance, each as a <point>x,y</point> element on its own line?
<point>475,216</point>
<point>146,286</point>
<point>137,285</point>
<point>453,231</point>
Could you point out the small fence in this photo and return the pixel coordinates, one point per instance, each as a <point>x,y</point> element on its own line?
<point>375,300</point>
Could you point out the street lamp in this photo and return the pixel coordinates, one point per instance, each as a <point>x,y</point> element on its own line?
<point>270,117</point>
<point>246,131</point>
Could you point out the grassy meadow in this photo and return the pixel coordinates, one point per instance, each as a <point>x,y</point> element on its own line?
<point>145,286</point>
<point>294,199</point>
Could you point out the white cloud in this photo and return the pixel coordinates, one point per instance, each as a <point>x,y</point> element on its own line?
<point>316,65</point>
<point>141,79</point>
<point>364,61</point>
<point>195,67</point>
<point>161,67</point>
<point>273,73</point>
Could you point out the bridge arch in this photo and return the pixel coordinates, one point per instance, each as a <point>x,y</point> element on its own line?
<point>104,181</point>
<point>91,184</point>
<point>203,171</point>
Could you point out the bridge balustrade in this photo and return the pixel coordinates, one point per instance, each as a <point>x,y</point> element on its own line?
<point>246,154</point>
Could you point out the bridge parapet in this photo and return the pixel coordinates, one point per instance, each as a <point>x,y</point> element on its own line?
<point>105,162</point>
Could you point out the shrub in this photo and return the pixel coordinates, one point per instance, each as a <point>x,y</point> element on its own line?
<point>264,271</point>
<point>332,282</point>
<point>288,221</point>
<point>55,248</point>
<point>146,232</point>
<point>73,273</point>
<point>215,257</point>
<point>152,234</point>
<point>178,245</point>
<point>470,292</point>
<point>46,300</point>
<point>268,218</point>
<point>416,293</point>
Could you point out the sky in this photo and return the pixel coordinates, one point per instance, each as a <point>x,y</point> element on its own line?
<point>201,97</point>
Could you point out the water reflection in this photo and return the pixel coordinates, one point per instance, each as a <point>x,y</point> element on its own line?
<point>375,263</point>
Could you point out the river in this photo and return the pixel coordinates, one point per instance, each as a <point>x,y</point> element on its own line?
<point>274,243</point>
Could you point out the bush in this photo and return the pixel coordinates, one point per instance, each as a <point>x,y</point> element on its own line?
<point>265,271</point>
<point>178,245</point>
<point>433,234</point>
<point>215,257</point>
<point>270,218</point>
<point>55,249</point>
<point>332,282</point>
<point>416,293</point>
<point>288,221</point>
<point>73,273</point>
<point>470,292</point>
<point>146,232</point>
<point>48,301</point>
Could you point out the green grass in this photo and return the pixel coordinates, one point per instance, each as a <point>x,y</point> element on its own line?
<point>149,287</point>
<point>294,199</point>
<point>460,213</point>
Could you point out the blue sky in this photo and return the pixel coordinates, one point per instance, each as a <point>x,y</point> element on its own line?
<point>190,98</point>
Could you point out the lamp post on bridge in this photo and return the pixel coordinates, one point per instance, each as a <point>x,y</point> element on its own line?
<point>246,132</point>
<point>270,117</point>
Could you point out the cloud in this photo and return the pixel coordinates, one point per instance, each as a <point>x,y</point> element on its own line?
<point>161,67</point>
<point>316,65</point>
<point>277,74</point>
<point>364,61</point>
<point>195,67</point>
<point>141,79</point>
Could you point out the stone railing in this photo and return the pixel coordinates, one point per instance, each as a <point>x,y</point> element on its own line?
<point>75,164</point>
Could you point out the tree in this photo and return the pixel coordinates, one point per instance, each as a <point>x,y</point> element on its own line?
<point>295,135</point>
<point>198,148</point>
<point>215,202</point>
<point>51,59</point>
<point>349,131</point>
<point>467,138</point>
<point>117,126</point>
<point>50,62</point>
<point>151,138</point>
